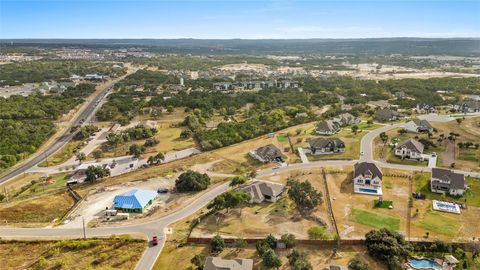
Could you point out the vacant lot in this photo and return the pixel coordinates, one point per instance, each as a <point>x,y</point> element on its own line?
<point>44,209</point>
<point>111,253</point>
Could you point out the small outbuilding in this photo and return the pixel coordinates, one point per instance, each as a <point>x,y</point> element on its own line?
<point>136,200</point>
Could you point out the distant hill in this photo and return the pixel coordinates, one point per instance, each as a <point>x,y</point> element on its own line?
<point>407,46</point>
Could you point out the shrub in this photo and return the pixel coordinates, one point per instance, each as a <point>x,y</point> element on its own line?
<point>317,232</point>
<point>217,244</point>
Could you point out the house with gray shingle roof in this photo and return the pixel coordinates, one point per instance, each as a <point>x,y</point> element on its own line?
<point>418,125</point>
<point>268,153</point>
<point>217,263</point>
<point>320,146</point>
<point>448,182</point>
<point>261,191</point>
<point>410,148</point>
<point>345,119</point>
<point>367,178</point>
<point>327,127</point>
<point>387,115</point>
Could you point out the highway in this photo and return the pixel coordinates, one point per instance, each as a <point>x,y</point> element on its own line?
<point>85,114</point>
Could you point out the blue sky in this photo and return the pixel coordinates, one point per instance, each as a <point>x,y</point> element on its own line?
<point>238,19</point>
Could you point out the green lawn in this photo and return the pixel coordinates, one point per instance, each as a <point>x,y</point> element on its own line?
<point>282,138</point>
<point>471,196</point>
<point>383,204</point>
<point>375,220</point>
<point>440,223</point>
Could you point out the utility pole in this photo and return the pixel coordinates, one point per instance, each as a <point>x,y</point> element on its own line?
<point>84,229</point>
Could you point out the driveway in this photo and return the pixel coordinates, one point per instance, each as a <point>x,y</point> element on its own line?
<point>302,153</point>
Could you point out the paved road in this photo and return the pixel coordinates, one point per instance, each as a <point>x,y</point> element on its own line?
<point>85,115</point>
<point>157,227</point>
<point>149,229</point>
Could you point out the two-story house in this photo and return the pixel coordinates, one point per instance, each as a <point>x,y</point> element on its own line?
<point>448,182</point>
<point>367,178</point>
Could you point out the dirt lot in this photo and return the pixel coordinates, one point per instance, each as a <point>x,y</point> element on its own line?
<point>112,253</point>
<point>176,256</point>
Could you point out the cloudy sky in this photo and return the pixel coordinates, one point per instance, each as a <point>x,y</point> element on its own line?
<point>238,19</point>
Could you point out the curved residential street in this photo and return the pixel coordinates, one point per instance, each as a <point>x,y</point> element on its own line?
<point>158,226</point>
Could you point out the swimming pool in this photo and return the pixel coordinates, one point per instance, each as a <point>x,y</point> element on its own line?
<point>367,190</point>
<point>424,264</point>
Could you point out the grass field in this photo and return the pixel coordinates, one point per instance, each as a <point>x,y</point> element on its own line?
<point>66,152</point>
<point>440,223</point>
<point>44,209</point>
<point>382,204</point>
<point>375,220</point>
<point>111,253</point>
<point>471,196</point>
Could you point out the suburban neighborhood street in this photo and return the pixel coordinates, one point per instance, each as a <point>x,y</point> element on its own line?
<point>158,226</point>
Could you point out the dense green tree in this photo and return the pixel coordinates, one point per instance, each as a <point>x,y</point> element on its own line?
<point>217,244</point>
<point>192,181</point>
<point>271,259</point>
<point>96,172</point>
<point>388,246</point>
<point>304,195</point>
<point>238,180</point>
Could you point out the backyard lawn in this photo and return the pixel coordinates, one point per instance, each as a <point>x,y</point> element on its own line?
<point>440,223</point>
<point>471,196</point>
<point>375,220</point>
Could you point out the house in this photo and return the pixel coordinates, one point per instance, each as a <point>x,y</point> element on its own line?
<point>150,124</point>
<point>367,178</point>
<point>268,153</point>
<point>345,119</point>
<point>419,126</point>
<point>467,106</point>
<point>135,200</point>
<point>425,107</point>
<point>327,127</point>
<point>387,115</point>
<point>410,148</point>
<point>217,263</point>
<point>326,146</point>
<point>78,177</point>
<point>448,182</point>
<point>264,191</point>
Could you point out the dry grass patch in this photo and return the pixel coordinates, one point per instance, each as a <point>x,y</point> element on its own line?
<point>111,253</point>
<point>44,209</point>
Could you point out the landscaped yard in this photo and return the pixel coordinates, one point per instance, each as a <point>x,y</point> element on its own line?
<point>108,253</point>
<point>375,220</point>
<point>471,196</point>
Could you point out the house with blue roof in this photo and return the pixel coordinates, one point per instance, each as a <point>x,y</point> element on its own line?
<point>136,200</point>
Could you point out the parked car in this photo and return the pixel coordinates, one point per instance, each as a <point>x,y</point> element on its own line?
<point>162,190</point>
<point>155,240</point>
